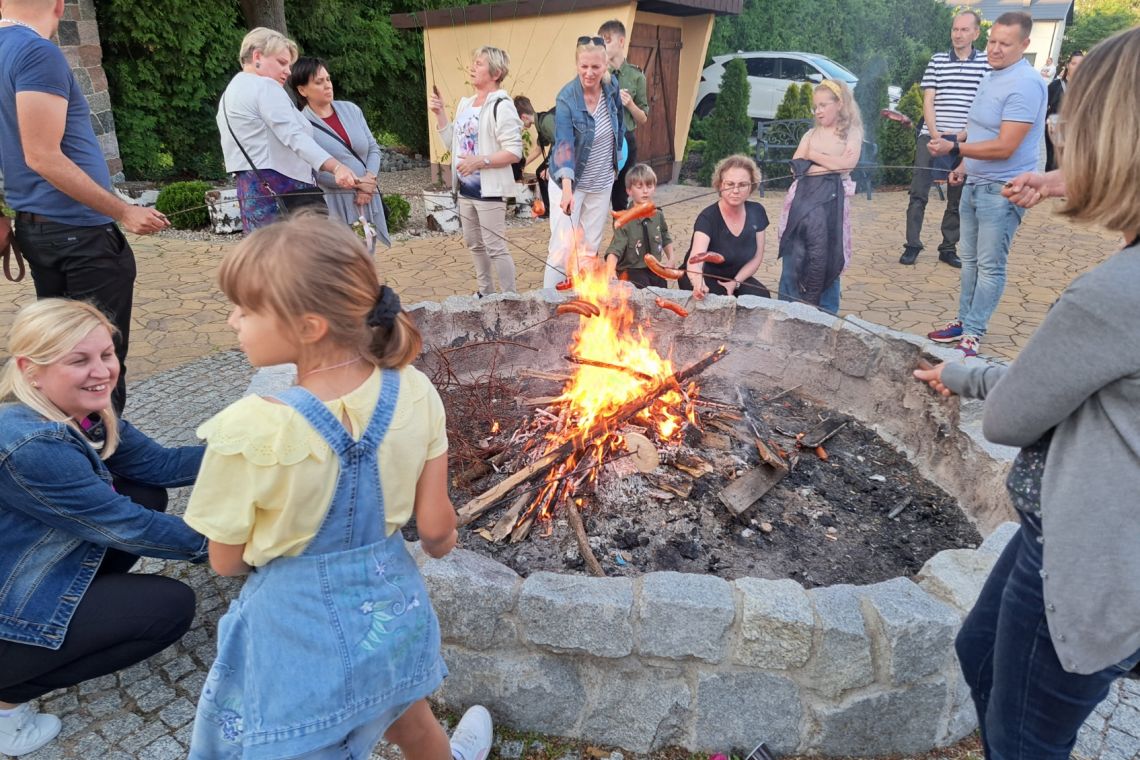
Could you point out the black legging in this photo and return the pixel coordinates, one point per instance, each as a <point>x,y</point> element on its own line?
<point>123,619</point>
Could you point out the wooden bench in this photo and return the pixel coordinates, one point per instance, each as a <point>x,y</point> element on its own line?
<point>777,140</point>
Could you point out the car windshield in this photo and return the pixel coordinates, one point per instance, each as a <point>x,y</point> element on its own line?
<point>833,69</point>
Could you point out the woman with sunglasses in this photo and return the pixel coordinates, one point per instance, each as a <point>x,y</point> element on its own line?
<point>815,225</point>
<point>733,227</point>
<point>587,146</point>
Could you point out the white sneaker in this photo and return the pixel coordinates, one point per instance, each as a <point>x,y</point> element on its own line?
<point>472,737</point>
<point>24,730</point>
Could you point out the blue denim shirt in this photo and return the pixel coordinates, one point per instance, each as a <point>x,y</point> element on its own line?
<point>59,514</point>
<point>574,129</point>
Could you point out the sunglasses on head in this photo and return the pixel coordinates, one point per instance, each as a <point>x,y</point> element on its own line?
<point>587,40</point>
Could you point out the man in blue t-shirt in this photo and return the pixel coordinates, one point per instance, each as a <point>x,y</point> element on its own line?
<point>56,178</point>
<point>1005,126</point>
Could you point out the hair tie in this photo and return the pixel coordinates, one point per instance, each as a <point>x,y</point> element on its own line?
<point>829,84</point>
<point>386,310</point>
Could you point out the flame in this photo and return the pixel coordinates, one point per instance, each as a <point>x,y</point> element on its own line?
<point>593,394</point>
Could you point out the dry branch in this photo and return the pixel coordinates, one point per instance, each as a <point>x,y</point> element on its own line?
<point>584,541</point>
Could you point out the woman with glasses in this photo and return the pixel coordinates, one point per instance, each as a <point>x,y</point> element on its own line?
<point>584,162</point>
<point>1058,619</point>
<point>733,227</point>
<point>815,226</point>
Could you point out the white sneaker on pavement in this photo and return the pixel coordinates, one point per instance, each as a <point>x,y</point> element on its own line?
<point>23,730</point>
<point>472,738</point>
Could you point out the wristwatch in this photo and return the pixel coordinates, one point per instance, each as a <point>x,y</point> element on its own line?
<point>486,161</point>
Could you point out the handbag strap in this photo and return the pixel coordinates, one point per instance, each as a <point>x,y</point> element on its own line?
<point>340,140</point>
<point>252,166</point>
<point>9,253</point>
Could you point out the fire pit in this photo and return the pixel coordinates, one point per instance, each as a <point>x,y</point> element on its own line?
<point>681,658</point>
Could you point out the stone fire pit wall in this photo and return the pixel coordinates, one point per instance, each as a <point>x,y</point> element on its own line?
<point>704,663</point>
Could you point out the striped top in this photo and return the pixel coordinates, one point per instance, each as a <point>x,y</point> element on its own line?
<point>955,83</point>
<point>598,175</point>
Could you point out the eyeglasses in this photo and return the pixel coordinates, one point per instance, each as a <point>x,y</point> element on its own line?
<point>731,187</point>
<point>587,40</point>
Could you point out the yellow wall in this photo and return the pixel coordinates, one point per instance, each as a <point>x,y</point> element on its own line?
<point>542,58</point>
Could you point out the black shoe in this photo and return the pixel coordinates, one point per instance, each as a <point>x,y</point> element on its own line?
<point>910,255</point>
<point>951,258</point>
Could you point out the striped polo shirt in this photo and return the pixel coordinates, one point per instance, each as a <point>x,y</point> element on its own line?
<point>955,83</point>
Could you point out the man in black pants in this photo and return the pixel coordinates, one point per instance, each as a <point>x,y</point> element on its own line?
<point>633,97</point>
<point>57,180</point>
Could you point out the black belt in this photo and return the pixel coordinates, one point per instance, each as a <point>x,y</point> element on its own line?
<point>28,217</point>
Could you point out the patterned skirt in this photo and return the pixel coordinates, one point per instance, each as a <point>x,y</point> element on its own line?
<point>259,206</point>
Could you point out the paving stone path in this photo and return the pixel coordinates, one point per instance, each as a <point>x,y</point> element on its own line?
<point>183,370</point>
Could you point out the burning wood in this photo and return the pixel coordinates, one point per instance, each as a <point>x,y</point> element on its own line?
<point>619,377</point>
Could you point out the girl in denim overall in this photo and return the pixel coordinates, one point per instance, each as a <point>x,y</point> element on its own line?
<point>332,642</point>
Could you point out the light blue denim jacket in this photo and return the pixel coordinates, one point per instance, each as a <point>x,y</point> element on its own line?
<point>574,129</point>
<point>59,514</point>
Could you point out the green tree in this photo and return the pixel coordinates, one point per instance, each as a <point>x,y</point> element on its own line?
<point>792,106</point>
<point>1096,20</point>
<point>166,71</point>
<point>807,100</point>
<point>728,126</point>
<point>897,141</point>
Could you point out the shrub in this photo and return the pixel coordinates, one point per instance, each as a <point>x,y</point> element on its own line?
<point>807,94</point>
<point>896,141</point>
<point>791,107</point>
<point>728,125</point>
<point>396,210</point>
<point>184,204</point>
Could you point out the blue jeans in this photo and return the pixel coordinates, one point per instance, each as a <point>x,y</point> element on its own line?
<point>828,300</point>
<point>988,222</point>
<point>1029,707</point>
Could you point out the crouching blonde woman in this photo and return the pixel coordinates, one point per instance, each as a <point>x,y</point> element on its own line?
<point>81,498</point>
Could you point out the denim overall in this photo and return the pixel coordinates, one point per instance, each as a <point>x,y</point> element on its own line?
<point>328,642</point>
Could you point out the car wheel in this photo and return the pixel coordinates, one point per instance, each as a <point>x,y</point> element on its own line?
<point>705,107</point>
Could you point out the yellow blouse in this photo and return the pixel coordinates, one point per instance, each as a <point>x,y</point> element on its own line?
<point>268,477</point>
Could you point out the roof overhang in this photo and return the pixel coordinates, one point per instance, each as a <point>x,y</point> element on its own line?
<point>512,9</point>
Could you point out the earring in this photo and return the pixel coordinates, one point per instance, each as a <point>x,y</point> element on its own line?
<point>257,65</point>
<point>35,384</point>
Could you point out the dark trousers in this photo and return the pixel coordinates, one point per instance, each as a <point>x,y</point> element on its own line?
<point>543,187</point>
<point>619,199</point>
<point>1050,153</point>
<point>93,264</point>
<point>1029,707</point>
<point>123,619</point>
<point>920,184</point>
<point>642,278</point>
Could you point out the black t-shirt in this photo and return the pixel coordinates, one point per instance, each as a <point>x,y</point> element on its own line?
<point>737,250</point>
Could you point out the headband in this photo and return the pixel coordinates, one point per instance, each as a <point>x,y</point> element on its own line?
<point>386,310</point>
<point>829,84</point>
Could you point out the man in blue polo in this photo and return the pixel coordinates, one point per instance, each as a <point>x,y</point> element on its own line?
<point>1005,126</point>
<point>56,178</point>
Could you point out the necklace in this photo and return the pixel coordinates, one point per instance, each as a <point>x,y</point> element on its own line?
<point>19,23</point>
<point>353,360</point>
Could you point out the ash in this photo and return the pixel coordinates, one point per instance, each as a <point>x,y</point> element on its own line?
<point>826,522</point>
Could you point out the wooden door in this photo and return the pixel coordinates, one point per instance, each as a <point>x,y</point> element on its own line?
<point>656,50</point>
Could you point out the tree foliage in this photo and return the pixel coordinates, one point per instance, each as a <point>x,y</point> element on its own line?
<point>1096,20</point>
<point>897,141</point>
<point>166,71</point>
<point>793,105</point>
<point>728,126</point>
<point>853,33</point>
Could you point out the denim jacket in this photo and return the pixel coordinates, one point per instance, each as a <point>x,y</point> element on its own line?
<point>59,514</point>
<point>574,129</point>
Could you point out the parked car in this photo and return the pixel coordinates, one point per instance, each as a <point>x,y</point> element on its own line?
<point>769,75</point>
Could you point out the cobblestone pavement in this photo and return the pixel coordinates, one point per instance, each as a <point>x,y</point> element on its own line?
<point>183,371</point>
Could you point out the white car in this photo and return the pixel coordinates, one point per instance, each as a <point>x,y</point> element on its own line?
<point>769,75</point>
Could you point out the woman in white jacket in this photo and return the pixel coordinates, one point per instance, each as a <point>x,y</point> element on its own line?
<point>485,140</point>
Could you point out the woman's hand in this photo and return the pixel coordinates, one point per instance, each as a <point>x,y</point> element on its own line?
<point>700,289</point>
<point>344,177</point>
<point>435,103</point>
<point>567,202</point>
<point>366,184</point>
<point>933,378</point>
<point>730,286</point>
<point>1029,189</point>
<point>363,198</point>
<point>468,165</point>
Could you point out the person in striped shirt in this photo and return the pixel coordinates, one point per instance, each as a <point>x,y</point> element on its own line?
<point>949,85</point>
